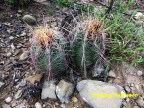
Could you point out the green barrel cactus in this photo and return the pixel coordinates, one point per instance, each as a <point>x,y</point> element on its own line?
<point>47,52</point>
<point>87,45</point>
<point>87,52</point>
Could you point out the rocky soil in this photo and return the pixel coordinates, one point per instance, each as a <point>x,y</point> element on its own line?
<point>17,72</point>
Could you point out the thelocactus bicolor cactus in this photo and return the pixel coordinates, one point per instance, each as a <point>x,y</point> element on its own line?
<point>48,51</point>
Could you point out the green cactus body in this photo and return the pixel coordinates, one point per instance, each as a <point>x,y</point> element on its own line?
<point>58,61</point>
<point>42,61</point>
<point>89,52</point>
<point>51,58</point>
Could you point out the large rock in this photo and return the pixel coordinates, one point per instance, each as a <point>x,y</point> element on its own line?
<point>64,90</point>
<point>100,94</point>
<point>48,90</point>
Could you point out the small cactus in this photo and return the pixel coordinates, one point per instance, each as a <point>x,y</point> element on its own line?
<point>87,44</point>
<point>47,51</point>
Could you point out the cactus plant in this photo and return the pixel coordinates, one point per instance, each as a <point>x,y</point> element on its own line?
<point>87,44</point>
<point>47,51</point>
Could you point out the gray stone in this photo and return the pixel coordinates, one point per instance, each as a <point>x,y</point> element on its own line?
<point>63,106</point>
<point>18,94</point>
<point>124,103</point>
<point>7,24</point>
<point>5,106</point>
<point>22,83</point>
<point>64,90</point>
<point>127,89</point>
<point>8,99</point>
<point>100,94</point>
<point>12,47</point>
<point>143,96</point>
<point>9,31</point>
<point>18,46</point>
<point>23,34</point>
<point>138,15</point>
<point>127,99</point>
<point>74,99</point>
<point>139,73</point>
<point>8,54</point>
<point>11,38</point>
<point>48,90</point>
<point>135,107</point>
<point>29,19</point>
<point>38,105</point>
<point>111,74</point>
<point>140,102</point>
<point>24,55</point>
<point>1,84</point>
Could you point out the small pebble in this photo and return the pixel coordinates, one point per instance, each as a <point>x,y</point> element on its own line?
<point>127,89</point>
<point>24,55</point>
<point>48,90</point>
<point>5,76</point>
<point>8,54</point>
<point>132,84</point>
<point>13,103</point>
<point>124,103</point>
<point>56,103</point>
<point>38,105</point>
<point>9,31</point>
<point>11,38</point>
<point>74,99</point>
<point>143,96</point>
<point>112,74</point>
<point>8,99</point>
<point>18,94</point>
<point>23,34</point>
<point>140,102</point>
<point>63,106</point>
<point>20,11</point>
<point>64,90</point>
<point>139,73</point>
<point>12,47</point>
<point>1,84</point>
<point>135,107</point>
<point>138,15</point>
<point>43,105</point>
<point>5,106</point>
<point>22,83</point>
<point>127,99</point>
